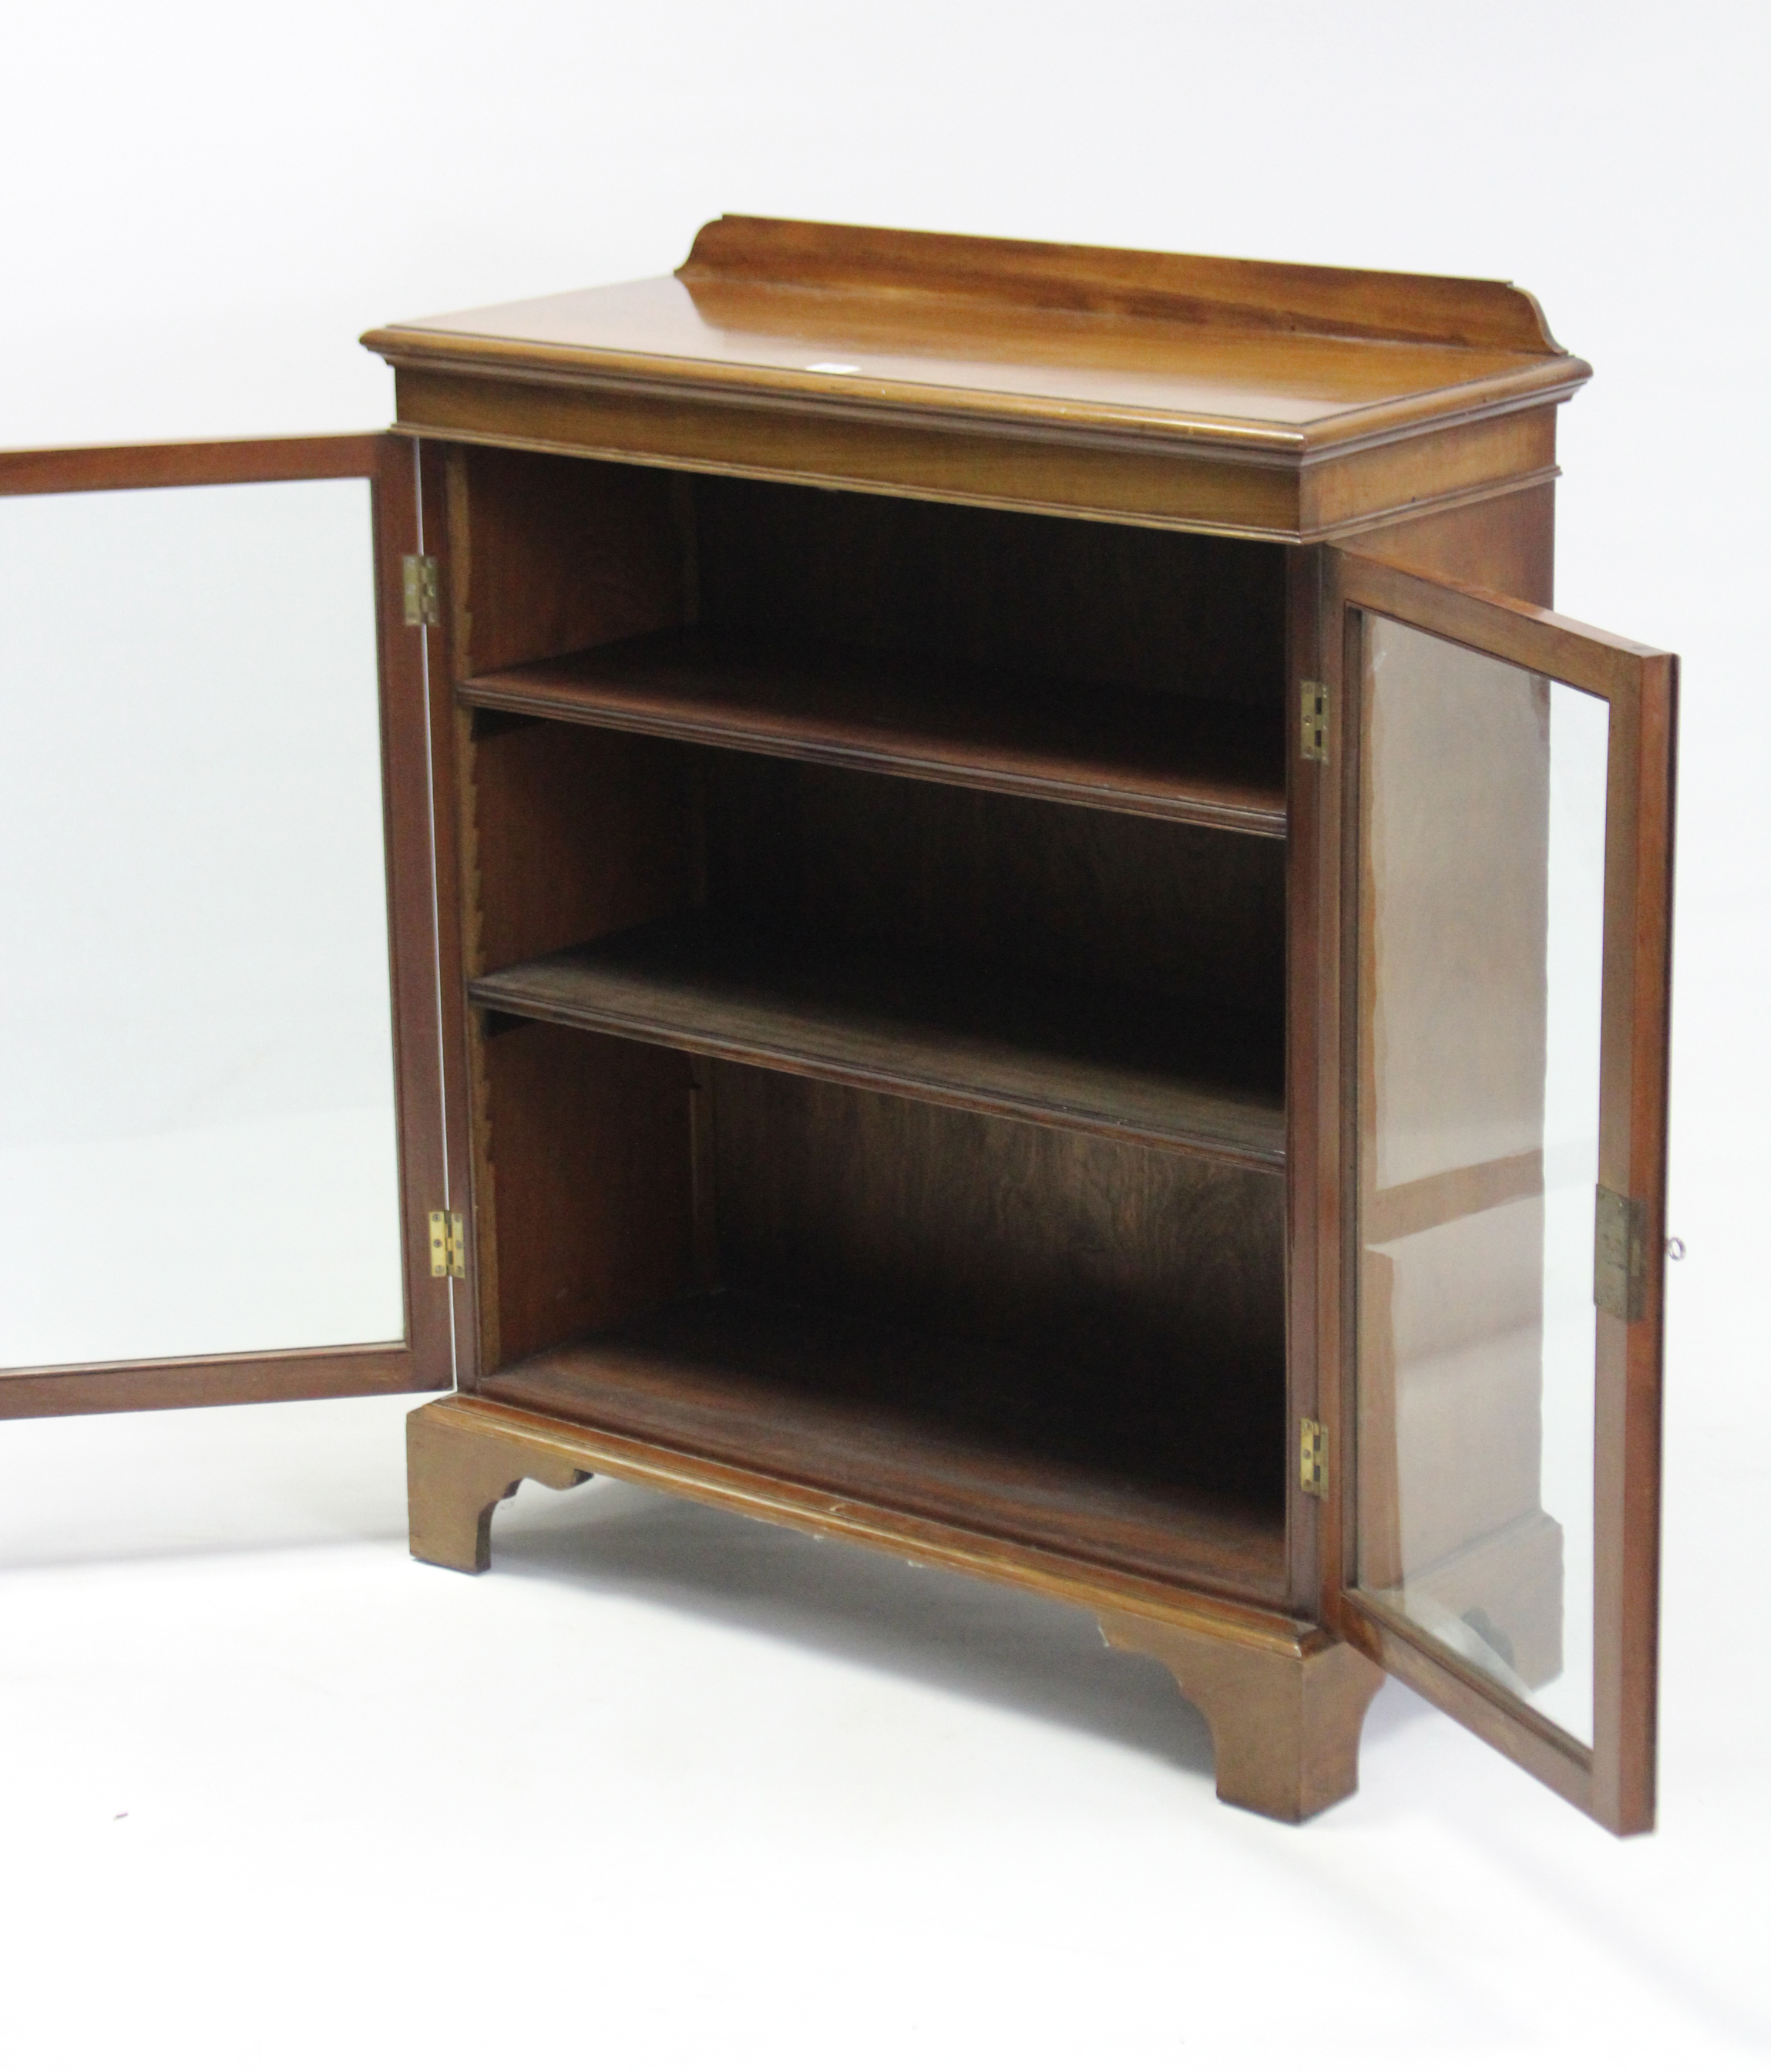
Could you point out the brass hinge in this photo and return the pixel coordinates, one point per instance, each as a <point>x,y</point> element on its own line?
<point>1313,718</point>
<point>1620,1256</point>
<point>448,1246</point>
<point>1312,1457</point>
<point>418,572</point>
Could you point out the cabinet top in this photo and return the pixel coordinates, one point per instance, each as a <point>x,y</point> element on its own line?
<point>815,325</point>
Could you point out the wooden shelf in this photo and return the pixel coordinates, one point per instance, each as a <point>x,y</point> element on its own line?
<point>1152,1071</point>
<point>1212,763</point>
<point>962,1435</point>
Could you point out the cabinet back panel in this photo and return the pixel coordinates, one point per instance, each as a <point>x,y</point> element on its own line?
<point>1175,613</point>
<point>1063,890</point>
<point>574,833</point>
<point>1160,1277</point>
<point>550,555</point>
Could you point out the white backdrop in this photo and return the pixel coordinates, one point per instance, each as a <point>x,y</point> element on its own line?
<point>746,1833</point>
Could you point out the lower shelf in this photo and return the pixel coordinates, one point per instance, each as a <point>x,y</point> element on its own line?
<point>969,1437</point>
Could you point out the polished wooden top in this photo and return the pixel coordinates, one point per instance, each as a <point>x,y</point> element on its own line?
<point>1070,341</point>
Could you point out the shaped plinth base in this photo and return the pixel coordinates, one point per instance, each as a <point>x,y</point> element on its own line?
<point>457,1475</point>
<point>1284,1722</point>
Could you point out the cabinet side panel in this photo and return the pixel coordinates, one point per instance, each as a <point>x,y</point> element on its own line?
<point>564,834</point>
<point>552,555</point>
<point>571,833</point>
<point>576,832</point>
<point>587,1171</point>
<point>1504,543</point>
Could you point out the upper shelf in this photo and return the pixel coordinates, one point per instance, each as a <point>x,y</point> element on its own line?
<point>872,357</point>
<point>1213,765</point>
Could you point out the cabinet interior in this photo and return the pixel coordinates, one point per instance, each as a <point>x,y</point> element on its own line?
<point>875,930</point>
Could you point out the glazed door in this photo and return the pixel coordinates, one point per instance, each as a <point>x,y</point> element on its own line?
<point>220,1095</point>
<point>1505,789</point>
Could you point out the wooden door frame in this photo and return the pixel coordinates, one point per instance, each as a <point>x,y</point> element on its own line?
<point>423,1360</point>
<point>1614,1780</point>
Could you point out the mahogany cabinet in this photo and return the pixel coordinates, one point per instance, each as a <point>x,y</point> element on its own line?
<point>1016,935</point>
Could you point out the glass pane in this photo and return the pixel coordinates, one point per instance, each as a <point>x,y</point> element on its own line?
<point>197,1139</point>
<point>1482,887</point>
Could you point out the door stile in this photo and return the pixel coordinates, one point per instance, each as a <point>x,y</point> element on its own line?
<point>1628,1460</point>
<point>1313,1248</point>
<point>413,904</point>
<point>1337,1177</point>
<point>437,647</point>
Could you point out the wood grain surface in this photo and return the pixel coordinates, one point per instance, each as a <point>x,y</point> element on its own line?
<point>1211,764</point>
<point>1273,402</point>
<point>947,1432</point>
<point>1238,294</point>
<point>1007,884</point>
<point>1181,616</point>
<point>1130,1067</point>
<point>1160,1277</point>
<point>1221,351</point>
<point>192,463</point>
<point>1284,1729</point>
<point>583,1190</point>
<point>549,555</point>
<point>482,1426</point>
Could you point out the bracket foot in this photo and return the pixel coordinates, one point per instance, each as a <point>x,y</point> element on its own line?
<point>457,1476</point>
<point>1284,1722</point>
